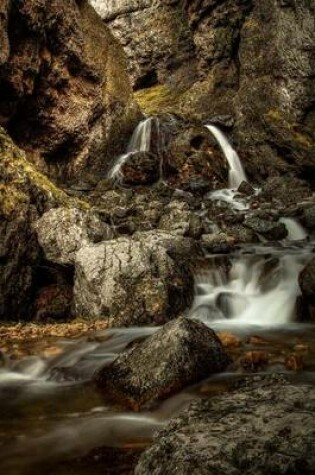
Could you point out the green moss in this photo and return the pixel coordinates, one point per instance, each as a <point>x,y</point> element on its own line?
<point>158,99</point>
<point>20,182</point>
<point>10,199</point>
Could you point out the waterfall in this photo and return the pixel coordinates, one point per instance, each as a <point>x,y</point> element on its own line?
<point>256,290</point>
<point>140,142</point>
<point>296,232</point>
<point>236,174</point>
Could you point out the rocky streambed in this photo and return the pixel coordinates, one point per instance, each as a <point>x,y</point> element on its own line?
<point>188,342</point>
<point>157,217</point>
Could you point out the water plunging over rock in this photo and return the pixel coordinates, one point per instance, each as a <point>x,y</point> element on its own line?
<point>255,290</point>
<point>296,232</point>
<point>236,174</point>
<point>138,153</point>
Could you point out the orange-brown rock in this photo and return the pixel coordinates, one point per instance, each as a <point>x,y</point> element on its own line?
<point>64,93</point>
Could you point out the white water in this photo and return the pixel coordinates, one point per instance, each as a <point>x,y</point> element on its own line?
<point>236,173</point>
<point>140,142</point>
<point>296,232</point>
<point>256,291</point>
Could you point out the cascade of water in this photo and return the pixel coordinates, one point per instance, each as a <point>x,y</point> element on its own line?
<point>296,232</point>
<point>255,291</point>
<point>140,142</point>
<point>236,174</point>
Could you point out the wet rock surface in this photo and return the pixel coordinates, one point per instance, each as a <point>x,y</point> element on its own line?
<point>271,230</point>
<point>183,352</point>
<point>266,426</point>
<point>134,281</point>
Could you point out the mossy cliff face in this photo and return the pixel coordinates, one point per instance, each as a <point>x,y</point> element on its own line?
<point>64,94</point>
<point>248,59</point>
<point>24,195</point>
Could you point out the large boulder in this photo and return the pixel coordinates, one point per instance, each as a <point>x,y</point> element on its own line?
<point>24,195</point>
<point>134,281</point>
<point>64,93</point>
<point>62,232</point>
<point>266,426</point>
<point>183,352</point>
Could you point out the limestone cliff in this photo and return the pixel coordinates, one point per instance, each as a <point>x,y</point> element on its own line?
<point>248,59</point>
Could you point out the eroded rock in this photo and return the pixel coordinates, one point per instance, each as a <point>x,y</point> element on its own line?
<point>183,352</point>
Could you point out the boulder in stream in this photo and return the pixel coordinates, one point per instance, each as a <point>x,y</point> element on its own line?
<point>181,353</point>
<point>265,426</point>
<point>141,280</point>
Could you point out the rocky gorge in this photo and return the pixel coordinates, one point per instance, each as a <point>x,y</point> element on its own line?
<point>157,185</point>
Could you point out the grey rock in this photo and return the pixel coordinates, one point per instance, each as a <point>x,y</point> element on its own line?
<point>177,217</point>
<point>183,352</point>
<point>134,281</point>
<point>62,232</point>
<point>271,230</point>
<point>265,426</point>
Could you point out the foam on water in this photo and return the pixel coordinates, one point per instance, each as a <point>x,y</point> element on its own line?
<point>256,290</point>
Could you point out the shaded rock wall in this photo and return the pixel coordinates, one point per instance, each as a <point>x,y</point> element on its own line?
<point>24,195</point>
<point>64,93</point>
<point>156,38</point>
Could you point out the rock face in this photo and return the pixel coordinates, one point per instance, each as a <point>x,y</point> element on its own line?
<point>24,195</point>
<point>250,60</point>
<point>264,427</point>
<point>183,352</point>
<point>63,232</point>
<point>134,281</point>
<point>155,36</point>
<point>64,93</point>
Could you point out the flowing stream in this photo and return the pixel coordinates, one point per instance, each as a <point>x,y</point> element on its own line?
<point>53,420</point>
<point>52,415</point>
